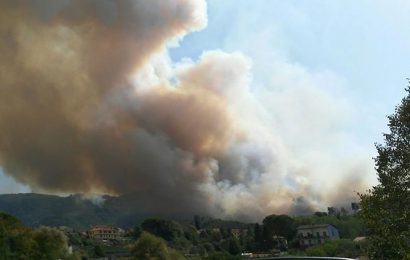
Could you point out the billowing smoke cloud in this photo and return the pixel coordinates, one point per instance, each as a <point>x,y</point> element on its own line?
<point>91,103</point>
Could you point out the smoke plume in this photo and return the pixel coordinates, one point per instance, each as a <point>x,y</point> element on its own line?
<point>90,102</point>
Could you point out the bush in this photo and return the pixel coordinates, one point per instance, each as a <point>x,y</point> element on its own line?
<point>341,248</point>
<point>315,251</point>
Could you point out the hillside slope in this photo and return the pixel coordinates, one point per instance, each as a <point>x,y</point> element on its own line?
<point>73,211</point>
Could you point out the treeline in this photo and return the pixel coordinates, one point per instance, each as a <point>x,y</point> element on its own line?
<point>186,240</point>
<point>209,238</point>
<point>202,238</point>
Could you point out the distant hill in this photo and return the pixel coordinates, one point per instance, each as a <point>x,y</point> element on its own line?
<point>73,211</point>
<point>77,212</point>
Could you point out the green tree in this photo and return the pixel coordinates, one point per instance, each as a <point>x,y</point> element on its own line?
<point>197,221</point>
<point>136,232</point>
<point>386,207</point>
<point>209,247</point>
<point>50,244</point>
<point>98,251</point>
<point>234,246</point>
<point>277,225</point>
<point>320,214</point>
<point>280,225</point>
<point>20,242</point>
<point>231,245</point>
<point>7,223</point>
<point>191,234</point>
<point>257,237</point>
<point>150,247</point>
<point>167,229</point>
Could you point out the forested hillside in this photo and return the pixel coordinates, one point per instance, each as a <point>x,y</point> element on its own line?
<point>73,211</point>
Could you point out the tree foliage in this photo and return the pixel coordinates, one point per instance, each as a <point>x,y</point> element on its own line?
<point>19,242</point>
<point>50,243</point>
<point>167,229</point>
<point>280,225</point>
<point>386,207</point>
<point>150,247</point>
<point>338,248</point>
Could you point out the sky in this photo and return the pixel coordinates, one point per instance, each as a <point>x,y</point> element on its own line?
<point>364,44</point>
<point>319,77</point>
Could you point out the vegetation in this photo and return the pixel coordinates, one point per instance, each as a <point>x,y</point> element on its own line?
<point>151,247</point>
<point>19,242</point>
<point>349,226</point>
<point>157,238</point>
<point>386,207</point>
<point>342,248</point>
<point>219,239</point>
<point>72,211</point>
<point>166,229</point>
<point>280,225</point>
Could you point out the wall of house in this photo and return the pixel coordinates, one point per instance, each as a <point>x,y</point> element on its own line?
<point>317,235</point>
<point>333,232</point>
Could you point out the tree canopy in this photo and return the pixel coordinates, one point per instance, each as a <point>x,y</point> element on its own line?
<point>166,229</point>
<point>386,207</point>
<point>19,242</point>
<point>280,225</point>
<point>151,247</point>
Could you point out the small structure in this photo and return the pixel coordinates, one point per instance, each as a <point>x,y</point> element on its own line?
<point>310,235</point>
<point>359,239</point>
<point>105,232</point>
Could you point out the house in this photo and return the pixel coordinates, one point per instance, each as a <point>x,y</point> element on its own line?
<point>105,232</point>
<point>310,235</point>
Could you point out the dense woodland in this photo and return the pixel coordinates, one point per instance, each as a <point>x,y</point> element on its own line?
<point>201,238</point>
